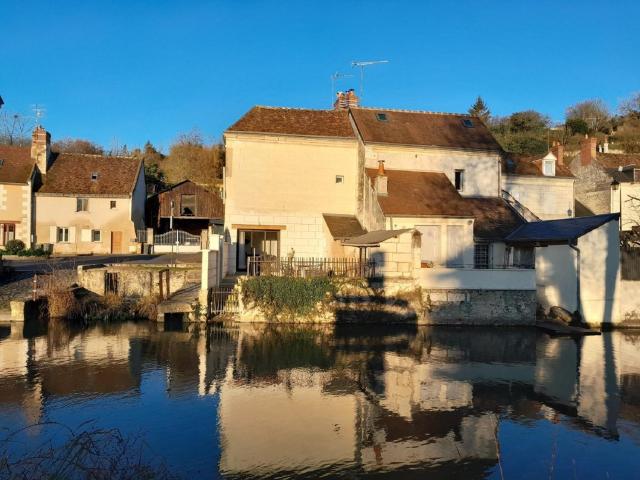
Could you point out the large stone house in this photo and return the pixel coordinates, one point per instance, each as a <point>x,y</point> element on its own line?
<point>301,181</point>
<point>607,183</point>
<point>20,169</point>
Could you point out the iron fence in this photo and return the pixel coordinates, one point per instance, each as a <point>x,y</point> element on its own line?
<point>310,267</point>
<point>177,237</point>
<point>223,300</point>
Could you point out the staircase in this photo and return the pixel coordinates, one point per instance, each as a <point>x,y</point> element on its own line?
<point>526,214</point>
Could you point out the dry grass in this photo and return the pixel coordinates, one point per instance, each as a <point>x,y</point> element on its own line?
<point>61,300</point>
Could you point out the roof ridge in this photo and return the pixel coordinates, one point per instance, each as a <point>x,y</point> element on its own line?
<point>271,107</point>
<point>402,110</point>
<point>97,155</point>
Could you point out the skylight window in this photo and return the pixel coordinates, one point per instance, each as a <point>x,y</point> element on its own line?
<point>467,123</point>
<point>1,162</point>
<point>94,176</point>
<point>382,117</point>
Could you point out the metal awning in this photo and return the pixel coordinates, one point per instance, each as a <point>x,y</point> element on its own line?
<point>374,239</point>
<point>557,232</point>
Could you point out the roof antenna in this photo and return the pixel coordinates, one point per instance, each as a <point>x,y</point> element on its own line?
<point>334,77</point>
<point>39,112</point>
<point>362,65</point>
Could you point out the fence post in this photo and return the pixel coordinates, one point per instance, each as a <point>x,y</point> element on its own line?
<point>34,291</point>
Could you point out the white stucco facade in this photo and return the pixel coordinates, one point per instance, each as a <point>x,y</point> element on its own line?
<point>549,198</point>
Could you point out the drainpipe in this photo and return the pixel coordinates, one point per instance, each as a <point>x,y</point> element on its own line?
<point>577,250</point>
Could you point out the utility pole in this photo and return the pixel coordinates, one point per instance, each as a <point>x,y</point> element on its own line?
<point>362,64</point>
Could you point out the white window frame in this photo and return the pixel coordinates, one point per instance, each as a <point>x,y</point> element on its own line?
<point>62,234</point>
<point>551,164</point>
<point>82,202</point>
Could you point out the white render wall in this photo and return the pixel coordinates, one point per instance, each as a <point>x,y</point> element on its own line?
<point>482,279</point>
<point>547,197</point>
<point>629,194</point>
<point>482,169</point>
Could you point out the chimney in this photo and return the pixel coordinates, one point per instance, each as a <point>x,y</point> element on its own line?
<point>346,100</point>
<point>41,148</point>
<point>558,150</point>
<point>381,180</point>
<point>588,150</point>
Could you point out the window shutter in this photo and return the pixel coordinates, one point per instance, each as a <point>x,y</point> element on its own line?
<point>72,234</point>
<point>52,234</point>
<point>85,235</point>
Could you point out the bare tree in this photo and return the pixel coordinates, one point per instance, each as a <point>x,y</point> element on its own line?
<point>14,128</point>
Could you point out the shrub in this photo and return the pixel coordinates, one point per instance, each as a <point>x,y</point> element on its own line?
<point>289,295</point>
<point>14,247</point>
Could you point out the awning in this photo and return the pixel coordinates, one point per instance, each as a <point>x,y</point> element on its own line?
<point>558,232</point>
<point>374,239</point>
<point>343,226</point>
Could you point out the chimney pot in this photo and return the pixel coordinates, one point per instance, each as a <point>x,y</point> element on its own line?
<point>558,151</point>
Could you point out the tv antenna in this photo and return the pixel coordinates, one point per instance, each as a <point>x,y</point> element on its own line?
<point>363,64</point>
<point>39,112</point>
<point>336,76</point>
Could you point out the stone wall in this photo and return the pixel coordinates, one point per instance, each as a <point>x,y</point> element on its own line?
<point>479,307</point>
<point>139,280</point>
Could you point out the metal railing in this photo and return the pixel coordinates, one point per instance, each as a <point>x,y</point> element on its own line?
<point>177,237</point>
<point>141,236</point>
<point>223,300</point>
<point>310,267</point>
<point>474,266</point>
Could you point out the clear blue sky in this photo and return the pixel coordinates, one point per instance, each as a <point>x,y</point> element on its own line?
<point>135,70</point>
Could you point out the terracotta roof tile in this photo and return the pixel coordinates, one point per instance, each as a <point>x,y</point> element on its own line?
<point>16,164</point>
<point>71,174</point>
<point>615,160</point>
<point>418,194</point>
<point>423,128</point>
<point>518,164</point>
<point>292,121</point>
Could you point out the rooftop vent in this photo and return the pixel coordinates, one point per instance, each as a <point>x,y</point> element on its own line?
<point>382,117</point>
<point>1,162</point>
<point>94,176</point>
<point>467,123</point>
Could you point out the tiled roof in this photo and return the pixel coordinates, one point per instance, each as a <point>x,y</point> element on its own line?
<point>558,231</point>
<point>615,160</point>
<point>343,226</point>
<point>71,174</point>
<point>16,164</point>
<point>424,194</point>
<point>294,121</point>
<point>404,127</point>
<point>517,164</point>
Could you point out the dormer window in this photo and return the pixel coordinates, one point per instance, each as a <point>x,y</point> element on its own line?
<point>467,123</point>
<point>382,117</point>
<point>94,176</point>
<point>549,168</point>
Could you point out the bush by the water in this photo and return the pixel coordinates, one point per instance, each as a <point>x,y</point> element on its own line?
<point>297,296</point>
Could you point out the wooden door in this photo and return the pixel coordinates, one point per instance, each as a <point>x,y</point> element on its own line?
<point>116,242</point>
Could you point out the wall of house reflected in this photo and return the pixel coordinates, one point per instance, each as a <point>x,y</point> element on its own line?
<point>335,399</point>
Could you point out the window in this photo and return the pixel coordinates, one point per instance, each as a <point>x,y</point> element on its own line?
<point>188,205</point>
<point>339,178</point>
<point>549,168</point>
<point>96,236</point>
<point>62,235</point>
<point>94,176</point>
<point>481,255</point>
<point>382,117</point>
<point>112,204</point>
<point>467,123</point>
<point>82,204</point>
<point>459,180</point>
<point>524,257</point>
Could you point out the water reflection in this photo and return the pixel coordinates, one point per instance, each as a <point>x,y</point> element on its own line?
<point>277,401</point>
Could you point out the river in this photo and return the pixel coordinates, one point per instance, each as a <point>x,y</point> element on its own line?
<point>281,402</point>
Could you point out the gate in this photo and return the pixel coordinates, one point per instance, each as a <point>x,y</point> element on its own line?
<point>223,300</point>
<point>176,241</point>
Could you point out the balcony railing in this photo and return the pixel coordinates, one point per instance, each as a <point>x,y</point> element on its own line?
<point>310,267</point>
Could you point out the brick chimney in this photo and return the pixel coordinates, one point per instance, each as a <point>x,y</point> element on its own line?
<point>41,148</point>
<point>346,100</point>
<point>381,180</point>
<point>558,150</point>
<point>588,150</point>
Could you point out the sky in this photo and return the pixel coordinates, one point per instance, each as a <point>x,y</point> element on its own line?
<point>123,72</point>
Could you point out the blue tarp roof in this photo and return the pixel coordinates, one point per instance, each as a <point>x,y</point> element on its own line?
<point>556,232</point>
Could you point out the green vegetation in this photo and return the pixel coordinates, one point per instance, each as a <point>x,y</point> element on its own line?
<point>288,295</point>
<point>17,247</point>
<point>479,109</point>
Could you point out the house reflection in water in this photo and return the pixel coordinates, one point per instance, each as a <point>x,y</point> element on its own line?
<point>330,400</point>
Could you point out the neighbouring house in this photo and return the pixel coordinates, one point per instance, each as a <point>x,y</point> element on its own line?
<point>540,187</point>
<point>90,204</point>
<point>607,183</point>
<point>185,206</point>
<point>20,169</point>
<point>578,266</point>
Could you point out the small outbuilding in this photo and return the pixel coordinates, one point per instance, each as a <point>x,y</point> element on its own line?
<point>577,264</point>
<point>189,206</point>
